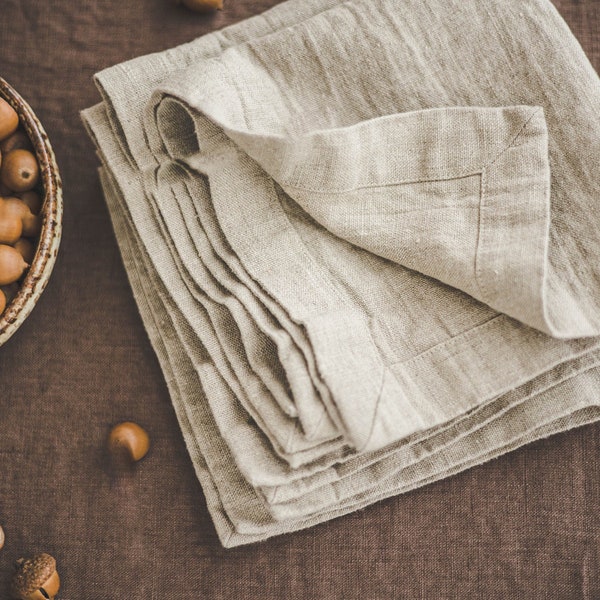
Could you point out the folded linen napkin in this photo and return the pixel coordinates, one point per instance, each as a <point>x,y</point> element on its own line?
<point>361,236</point>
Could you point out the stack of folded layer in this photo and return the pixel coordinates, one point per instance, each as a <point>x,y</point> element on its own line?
<point>363,237</point>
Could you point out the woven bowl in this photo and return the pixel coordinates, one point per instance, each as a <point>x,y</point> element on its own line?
<point>50,186</point>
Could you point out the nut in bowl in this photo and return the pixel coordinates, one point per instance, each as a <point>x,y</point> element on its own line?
<point>30,210</point>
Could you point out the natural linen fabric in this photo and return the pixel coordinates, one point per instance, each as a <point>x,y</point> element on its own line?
<point>363,239</point>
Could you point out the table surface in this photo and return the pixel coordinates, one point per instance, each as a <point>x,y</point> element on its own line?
<point>523,526</point>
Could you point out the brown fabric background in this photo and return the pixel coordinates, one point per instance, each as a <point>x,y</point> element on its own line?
<point>524,526</point>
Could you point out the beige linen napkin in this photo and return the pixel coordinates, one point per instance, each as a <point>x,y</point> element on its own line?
<point>362,238</point>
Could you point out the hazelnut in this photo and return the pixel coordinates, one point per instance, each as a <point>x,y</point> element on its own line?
<point>19,139</point>
<point>200,5</point>
<point>16,207</point>
<point>128,442</point>
<point>19,170</point>
<point>36,578</point>
<point>9,119</point>
<point>32,224</point>
<point>25,248</point>
<point>33,201</point>
<point>12,265</point>
<point>2,537</point>
<point>11,225</point>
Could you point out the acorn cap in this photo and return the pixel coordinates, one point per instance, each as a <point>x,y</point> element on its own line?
<point>32,573</point>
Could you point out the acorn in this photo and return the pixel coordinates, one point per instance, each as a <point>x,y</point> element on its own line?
<point>128,443</point>
<point>36,578</point>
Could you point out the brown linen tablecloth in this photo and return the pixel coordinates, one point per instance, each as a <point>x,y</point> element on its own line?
<point>523,526</point>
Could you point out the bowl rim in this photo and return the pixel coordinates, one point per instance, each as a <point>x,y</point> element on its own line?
<point>36,278</point>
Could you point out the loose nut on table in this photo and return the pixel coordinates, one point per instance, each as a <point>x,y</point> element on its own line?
<point>2,538</point>
<point>35,578</point>
<point>128,442</point>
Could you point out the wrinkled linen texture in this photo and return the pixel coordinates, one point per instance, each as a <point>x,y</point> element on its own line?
<point>363,240</point>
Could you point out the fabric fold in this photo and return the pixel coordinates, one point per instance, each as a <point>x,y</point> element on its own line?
<point>349,178</point>
<point>377,184</point>
<point>361,271</point>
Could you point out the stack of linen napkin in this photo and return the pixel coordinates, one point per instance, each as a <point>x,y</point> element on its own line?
<point>363,237</point>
